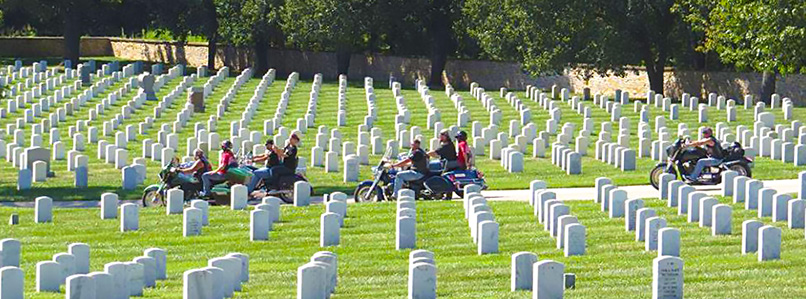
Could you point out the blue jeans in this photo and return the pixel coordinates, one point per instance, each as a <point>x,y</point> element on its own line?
<point>257,175</point>
<point>701,164</point>
<point>210,176</point>
<point>407,176</point>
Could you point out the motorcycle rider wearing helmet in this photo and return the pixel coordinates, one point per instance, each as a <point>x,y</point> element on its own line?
<point>464,155</point>
<point>712,148</point>
<point>272,158</point>
<point>227,161</point>
<point>199,167</point>
<point>446,151</point>
<point>418,160</point>
<point>288,157</point>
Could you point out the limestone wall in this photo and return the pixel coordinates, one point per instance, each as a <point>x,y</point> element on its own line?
<point>490,74</point>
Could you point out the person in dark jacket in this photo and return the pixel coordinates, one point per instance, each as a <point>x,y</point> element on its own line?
<point>712,147</point>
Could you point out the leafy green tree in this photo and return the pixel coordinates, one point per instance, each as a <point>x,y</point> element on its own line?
<point>342,26</point>
<point>767,36</point>
<point>599,35</point>
<point>252,23</point>
<point>69,18</point>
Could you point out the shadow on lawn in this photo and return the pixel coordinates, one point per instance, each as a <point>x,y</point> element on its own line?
<point>94,193</point>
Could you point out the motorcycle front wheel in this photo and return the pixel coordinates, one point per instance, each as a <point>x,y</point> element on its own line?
<point>153,198</point>
<point>654,175</point>
<point>366,194</point>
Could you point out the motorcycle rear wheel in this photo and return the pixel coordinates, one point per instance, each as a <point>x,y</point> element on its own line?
<point>153,198</point>
<point>741,170</point>
<point>654,175</point>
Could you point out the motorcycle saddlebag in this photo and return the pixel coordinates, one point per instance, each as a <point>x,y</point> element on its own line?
<point>734,152</point>
<point>438,184</point>
<point>238,175</point>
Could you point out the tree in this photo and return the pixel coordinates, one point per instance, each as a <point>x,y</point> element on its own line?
<point>767,36</point>
<point>329,25</point>
<point>69,18</point>
<point>253,23</point>
<point>599,35</point>
<point>441,17</point>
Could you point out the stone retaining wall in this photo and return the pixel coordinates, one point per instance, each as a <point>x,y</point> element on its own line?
<point>490,74</point>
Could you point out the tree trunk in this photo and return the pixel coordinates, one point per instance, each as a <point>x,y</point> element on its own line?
<point>342,61</point>
<point>439,57</point>
<point>211,51</point>
<point>212,32</point>
<point>72,37</point>
<point>261,56</point>
<point>655,76</point>
<point>767,86</point>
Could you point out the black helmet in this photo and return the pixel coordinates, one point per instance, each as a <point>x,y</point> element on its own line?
<point>226,145</point>
<point>462,135</point>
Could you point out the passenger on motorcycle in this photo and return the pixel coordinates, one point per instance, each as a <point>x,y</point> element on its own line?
<point>446,151</point>
<point>464,155</point>
<point>418,160</point>
<point>712,147</point>
<point>289,159</point>
<point>272,158</point>
<point>199,167</point>
<point>227,161</point>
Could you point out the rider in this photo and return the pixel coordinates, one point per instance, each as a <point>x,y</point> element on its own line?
<point>419,164</point>
<point>446,151</point>
<point>199,167</point>
<point>272,159</point>
<point>712,148</point>
<point>464,155</point>
<point>289,159</point>
<point>227,159</point>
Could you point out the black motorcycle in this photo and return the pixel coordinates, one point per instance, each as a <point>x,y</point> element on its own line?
<point>283,188</point>
<point>435,185</point>
<point>682,160</point>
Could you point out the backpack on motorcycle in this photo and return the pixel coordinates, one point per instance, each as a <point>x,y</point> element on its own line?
<point>733,152</point>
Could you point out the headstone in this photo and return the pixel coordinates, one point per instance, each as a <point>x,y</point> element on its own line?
<point>521,270</point>
<point>669,242</point>
<point>721,220</point>
<point>191,222</point>
<point>547,280</point>
<point>422,281</point>
<point>769,243</point>
<point>129,217</point>
<point>750,235</point>
<point>43,209</point>
<point>667,277</point>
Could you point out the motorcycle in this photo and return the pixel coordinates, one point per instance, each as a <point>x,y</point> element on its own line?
<point>683,159</point>
<point>283,188</point>
<point>155,194</point>
<point>435,185</point>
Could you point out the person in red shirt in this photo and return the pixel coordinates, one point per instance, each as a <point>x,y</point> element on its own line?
<point>227,158</point>
<point>464,155</point>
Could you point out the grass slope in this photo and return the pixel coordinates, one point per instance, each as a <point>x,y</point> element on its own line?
<point>105,178</point>
<point>615,265</point>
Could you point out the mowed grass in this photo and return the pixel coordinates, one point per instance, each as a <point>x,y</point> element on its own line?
<point>103,177</point>
<point>615,266</point>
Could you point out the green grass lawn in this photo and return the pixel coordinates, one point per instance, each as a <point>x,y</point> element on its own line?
<point>615,265</point>
<point>104,177</point>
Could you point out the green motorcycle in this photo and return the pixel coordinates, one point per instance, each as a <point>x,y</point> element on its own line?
<point>154,195</point>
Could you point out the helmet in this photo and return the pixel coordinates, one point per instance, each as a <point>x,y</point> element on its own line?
<point>708,131</point>
<point>462,135</point>
<point>226,145</point>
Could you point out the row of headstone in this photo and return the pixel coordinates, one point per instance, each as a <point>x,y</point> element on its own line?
<point>406,220</point>
<point>570,235</point>
<point>222,277</point>
<point>546,279</point>
<point>318,278</point>
<point>118,280</point>
<point>481,221</point>
<point>765,240</point>
<point>422,278</point>
<point>566,158</point>
<point>698,206</point>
